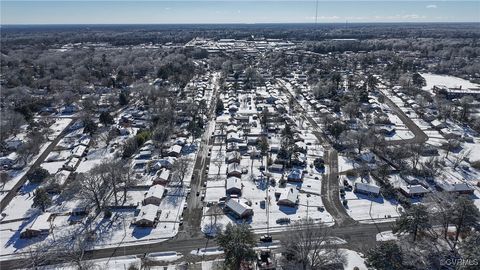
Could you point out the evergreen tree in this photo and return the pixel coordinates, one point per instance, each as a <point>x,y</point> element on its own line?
<point>385,256</point>
<point>41,199</point>
<point>237,242</point>
<point>413,220</point>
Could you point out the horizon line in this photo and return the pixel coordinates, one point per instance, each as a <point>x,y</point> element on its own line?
<point>240,23</point>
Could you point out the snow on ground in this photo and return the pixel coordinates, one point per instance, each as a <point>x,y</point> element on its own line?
<point>353,259</point>
<point>122,262</point>
<point>57,127</point>
<point>53,167</point>
<point>345,164</point>
<point>16,175</point>
<point>386,236</point>
<point>448,81</point>
<point>166,256</point>
<point>367,209</point>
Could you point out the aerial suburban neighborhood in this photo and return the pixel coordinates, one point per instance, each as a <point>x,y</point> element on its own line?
<point>240,147</point>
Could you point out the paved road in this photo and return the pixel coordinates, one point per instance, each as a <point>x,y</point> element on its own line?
<point>330,191</point>
<point>420,136</point>
<point>358,236</point>
<point>193,214</point>
<point>13,191</point>
<point>330,184</point>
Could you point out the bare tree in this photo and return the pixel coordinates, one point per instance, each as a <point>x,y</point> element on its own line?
<point>180,169</point>
<point>93,188</point>
<point>464,155</point>
<point>309,245</point>
<point>440,204</point>
<point>10,123</point>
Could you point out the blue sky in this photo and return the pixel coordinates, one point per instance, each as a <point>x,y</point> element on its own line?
<point>234,11</point>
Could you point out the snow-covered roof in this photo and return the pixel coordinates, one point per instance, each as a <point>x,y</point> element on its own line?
<point>240,208</point>
<point>155,191</point>
<point>165,174</point>
<point>79,150</point>
<point>455,187</point>
<point>148,212</point>
<point>233,183</point>
<point>175,149</point>
<point>41,223</point>
<point>234,167</point>
<point>289,195</point>
<point>367,188</point>
<point>414,189</point>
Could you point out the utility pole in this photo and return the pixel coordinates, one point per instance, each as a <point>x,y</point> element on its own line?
<point>316,12</point>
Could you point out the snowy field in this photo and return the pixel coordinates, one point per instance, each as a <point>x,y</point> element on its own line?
<point>448,81</point>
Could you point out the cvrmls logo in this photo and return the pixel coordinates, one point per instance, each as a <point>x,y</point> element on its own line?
<point>459,262</point>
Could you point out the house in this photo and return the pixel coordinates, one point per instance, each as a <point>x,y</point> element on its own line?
<point>414,190</point>
<point>164,163</point>
<point>233,185</point>
<point>154,195</point>
<point>295,175</point>
<point>437,124</point>
<point>40,226</point>
<point>288,197</point>
<point>460,188</point>
<point>234,169</point>
<point>239,209</point>
<point>234,137</point>
<point>367,189</point>
<point>146,154</point>
<point>78,151</point>
<point>162,178</point>
<point>232,147</point>
<point>147,216</point>
<point>71,165</point>
<point>174,151</point>
<point>233,157</point>
<point>278,168</point>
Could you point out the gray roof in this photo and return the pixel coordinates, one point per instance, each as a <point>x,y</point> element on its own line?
<point>367,188</point>
<point>238,207</point>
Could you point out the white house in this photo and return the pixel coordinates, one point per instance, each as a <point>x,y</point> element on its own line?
<point>163,177</point>
<point>154,195</point>
<point>239,209</point>
<point>148,215</point>
<point>71,164</point>
<point>234,169</point>
<point>413,190</point>
<point>367,189</point>
<point>40,226</point>
<point>78,151</point>
<point>233,185</point>
<point>288,197</point>
<point>233,156</point>
<point>175,150</point>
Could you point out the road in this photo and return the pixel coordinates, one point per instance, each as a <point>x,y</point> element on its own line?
<point>13,191</point>
<point>190,238</point>
<point>330,184</point>
<point>419,135</point>
<point>358,237</point>
<point>193,214</point>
